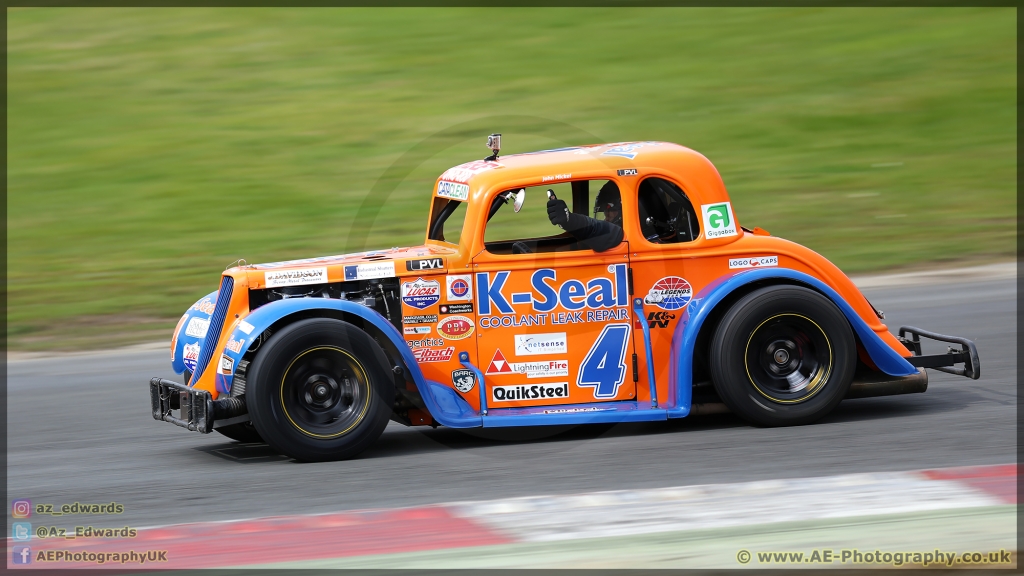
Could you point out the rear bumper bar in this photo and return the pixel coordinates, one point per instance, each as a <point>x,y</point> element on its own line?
<point>966,355</point>
<point>198,411</point>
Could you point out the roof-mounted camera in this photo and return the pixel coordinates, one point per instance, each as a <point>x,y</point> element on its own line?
<point>494,143</point>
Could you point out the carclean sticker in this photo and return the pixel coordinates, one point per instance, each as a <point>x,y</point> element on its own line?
<point>453,190</point>
<point>718,220</point>
<point>299,277</point>
<point>755,262</point>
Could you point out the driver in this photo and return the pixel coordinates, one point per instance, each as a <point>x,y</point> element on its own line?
<point>599,235</point>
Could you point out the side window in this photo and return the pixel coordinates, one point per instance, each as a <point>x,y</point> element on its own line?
<point>530,231</point>
<point>666,214</point>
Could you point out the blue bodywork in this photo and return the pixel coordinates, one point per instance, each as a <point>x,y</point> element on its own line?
<point>177,362</point>
<point>450,409</point>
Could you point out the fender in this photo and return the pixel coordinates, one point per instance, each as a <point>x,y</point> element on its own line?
<point>181,339</point>
<point>685,336</point>
<point>443,403</point>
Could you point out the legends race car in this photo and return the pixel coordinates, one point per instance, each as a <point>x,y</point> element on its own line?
<point>501,319</point>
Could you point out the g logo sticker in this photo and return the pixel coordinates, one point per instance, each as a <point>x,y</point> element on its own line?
<point>718,220</point>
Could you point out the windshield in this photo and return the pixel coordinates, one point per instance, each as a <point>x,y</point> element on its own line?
<point>446,220</point>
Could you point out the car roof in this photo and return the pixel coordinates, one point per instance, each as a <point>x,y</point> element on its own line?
<point>583,162</point>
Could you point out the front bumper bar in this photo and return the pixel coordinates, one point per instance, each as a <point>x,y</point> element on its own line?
<point>196,406</point>
<point>966,355</point>
<point>198,410</point>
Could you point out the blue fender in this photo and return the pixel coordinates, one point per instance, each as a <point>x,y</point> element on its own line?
<point>194,341</point>
<point>685,336</point>
<point>443,403</point>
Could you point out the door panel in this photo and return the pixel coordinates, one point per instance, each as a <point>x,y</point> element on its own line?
<point>557,331</point>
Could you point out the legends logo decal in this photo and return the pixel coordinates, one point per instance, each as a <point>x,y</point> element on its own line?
<point>669,293</point>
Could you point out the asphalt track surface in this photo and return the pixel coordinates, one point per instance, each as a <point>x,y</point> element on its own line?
<point>80,430</point>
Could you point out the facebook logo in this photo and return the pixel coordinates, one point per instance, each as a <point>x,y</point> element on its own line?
<point>21,555</point>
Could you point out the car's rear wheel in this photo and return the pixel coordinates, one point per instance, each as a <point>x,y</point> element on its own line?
<point>783,355</point>
<point>319,390</point>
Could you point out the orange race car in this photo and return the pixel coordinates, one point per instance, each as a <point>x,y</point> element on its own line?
<point>522,309</point>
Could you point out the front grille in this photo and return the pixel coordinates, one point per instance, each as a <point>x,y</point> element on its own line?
<point>216,324</point>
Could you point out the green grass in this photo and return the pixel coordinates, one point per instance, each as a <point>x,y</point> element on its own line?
<point>149,148</point>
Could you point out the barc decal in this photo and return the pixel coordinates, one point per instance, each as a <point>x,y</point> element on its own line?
<point>669,293</point>
<point>433,354</point>
<point>300,277</point>
<point>427,264</point>
<point>421,293</point>
<point>455,327</point>
<point>463,380</point>
<point>537,344</point>
<point>755,262</point>
<point>718,220</point>
<point>460,287</point>
<point>529,392</point>
<point>197,327</point>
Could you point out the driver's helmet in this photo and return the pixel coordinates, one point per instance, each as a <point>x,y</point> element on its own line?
<point>608,200</point>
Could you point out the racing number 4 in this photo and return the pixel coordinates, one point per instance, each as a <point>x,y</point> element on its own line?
<point>604,368</point>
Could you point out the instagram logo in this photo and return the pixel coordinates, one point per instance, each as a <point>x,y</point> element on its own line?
<point>21,508</point>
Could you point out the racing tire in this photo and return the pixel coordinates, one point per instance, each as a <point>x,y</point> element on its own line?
<point>243,432</point>
<point>319,390</point>
<point>783,356</point>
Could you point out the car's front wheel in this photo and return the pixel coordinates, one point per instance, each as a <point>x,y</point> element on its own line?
<point>783,355</point>
<point>319,390</point>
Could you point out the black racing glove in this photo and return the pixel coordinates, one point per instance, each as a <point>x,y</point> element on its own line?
<point>558,212</point>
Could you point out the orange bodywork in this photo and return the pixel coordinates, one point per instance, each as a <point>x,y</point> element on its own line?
<point>532,351</point>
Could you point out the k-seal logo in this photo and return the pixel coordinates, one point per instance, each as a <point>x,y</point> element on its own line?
<point>426,264</point>
<point>718,220</point>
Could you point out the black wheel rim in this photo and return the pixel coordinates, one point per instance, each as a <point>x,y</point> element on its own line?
<point>788,358</point>
<point>325,392</point>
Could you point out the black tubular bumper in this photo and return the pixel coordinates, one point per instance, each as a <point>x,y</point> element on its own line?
<point>966,355</point>
<point>198,410</point>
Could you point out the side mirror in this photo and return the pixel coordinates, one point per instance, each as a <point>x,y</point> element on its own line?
<point>517,204</point>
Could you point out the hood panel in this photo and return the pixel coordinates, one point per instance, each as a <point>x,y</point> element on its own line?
<point>394,262</point>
